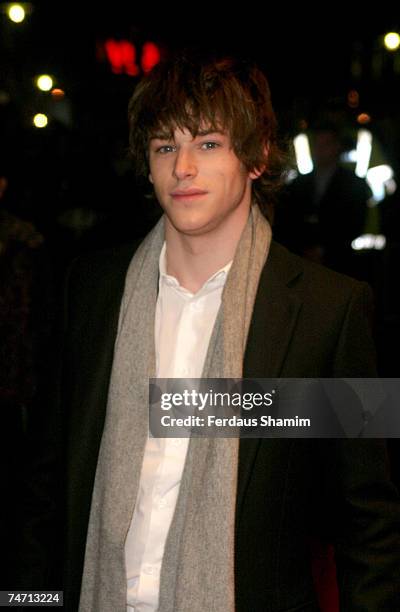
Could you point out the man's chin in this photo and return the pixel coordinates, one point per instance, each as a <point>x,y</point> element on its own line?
<point>191,227</point>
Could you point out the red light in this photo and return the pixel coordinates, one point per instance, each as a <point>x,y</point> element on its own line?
<point>57,93</point>
<point>122,56</point>
<point>150,56</point>
<point>363,118</point>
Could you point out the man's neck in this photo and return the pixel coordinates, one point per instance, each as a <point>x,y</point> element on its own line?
<point>193,259</point>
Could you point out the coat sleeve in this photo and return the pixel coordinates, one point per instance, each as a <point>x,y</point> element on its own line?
<point>367,506</point>
<point>355,355</point>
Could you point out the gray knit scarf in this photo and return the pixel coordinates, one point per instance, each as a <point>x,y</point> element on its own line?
<point>198,565</point>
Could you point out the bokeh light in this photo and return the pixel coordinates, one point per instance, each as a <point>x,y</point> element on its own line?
<point>40,120</point>
<point>57,93</point>
<point>44,82</point>
<point>392,41</point>
<point>16,13</point>
<point>364,118</point>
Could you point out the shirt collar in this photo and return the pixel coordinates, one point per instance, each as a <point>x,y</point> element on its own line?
<point>214,282</point>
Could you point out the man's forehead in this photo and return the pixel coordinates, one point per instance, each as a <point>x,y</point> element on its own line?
<point>166,133</point>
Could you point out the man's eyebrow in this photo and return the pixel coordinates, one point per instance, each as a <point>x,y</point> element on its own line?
<point>167,135</point>
<point>208,131</point>
<point>160,136</point>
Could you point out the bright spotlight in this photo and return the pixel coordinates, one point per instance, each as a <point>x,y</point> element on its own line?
<point>392,41</point>
<point>16,13</point>
<point>369,242</point>
<point>379,178</point>
<point>40,120</point>
<point>303,155</point>
<point>364,147</point>
<point>44,82</point>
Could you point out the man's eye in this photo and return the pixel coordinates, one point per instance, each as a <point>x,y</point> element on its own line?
<point>209,145</point>
<point>165,149</point>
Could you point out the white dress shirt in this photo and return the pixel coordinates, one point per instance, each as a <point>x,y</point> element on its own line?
<point>183,325</point>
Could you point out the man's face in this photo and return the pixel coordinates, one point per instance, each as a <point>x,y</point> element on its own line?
<point>199,182</point>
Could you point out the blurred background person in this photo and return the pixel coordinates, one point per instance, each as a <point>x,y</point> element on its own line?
<point>324,210</point>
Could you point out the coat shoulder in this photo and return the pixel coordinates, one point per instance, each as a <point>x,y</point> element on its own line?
<point>101,269</point>
<point>104,261</point>
<point>314,281</point>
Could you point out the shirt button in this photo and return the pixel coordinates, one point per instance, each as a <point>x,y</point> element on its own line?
<point>162,503</point>
<point>177,442</point>
<point>148,569</point>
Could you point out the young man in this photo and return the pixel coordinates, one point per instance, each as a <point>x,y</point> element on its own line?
<point>215,524</point>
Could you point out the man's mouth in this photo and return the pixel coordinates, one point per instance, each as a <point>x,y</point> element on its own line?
<point>187,194</point>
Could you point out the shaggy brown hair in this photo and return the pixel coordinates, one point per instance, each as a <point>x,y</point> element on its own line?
<point>188,92</point>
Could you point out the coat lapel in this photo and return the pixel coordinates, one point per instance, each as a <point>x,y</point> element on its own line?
<point>274,319</point>
<point>275,314</point>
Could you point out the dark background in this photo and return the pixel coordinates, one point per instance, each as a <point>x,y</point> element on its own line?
<point>312,60</point>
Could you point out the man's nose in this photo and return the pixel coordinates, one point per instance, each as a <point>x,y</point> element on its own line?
<point>185,165</point>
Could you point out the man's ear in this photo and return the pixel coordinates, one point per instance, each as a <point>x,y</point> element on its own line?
<point>256,172</point>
